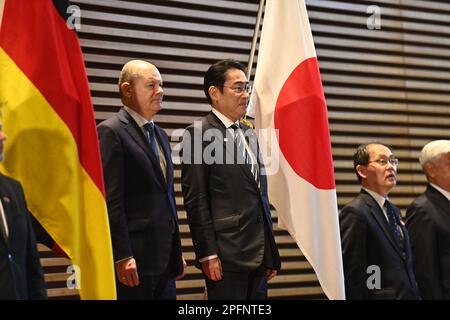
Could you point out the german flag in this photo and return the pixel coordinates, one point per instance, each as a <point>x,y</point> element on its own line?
<point>52,146</point>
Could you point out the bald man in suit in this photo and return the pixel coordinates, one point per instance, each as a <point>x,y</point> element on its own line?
<point>140,195</point>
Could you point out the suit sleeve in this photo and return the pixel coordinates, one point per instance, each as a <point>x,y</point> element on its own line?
<point>194,181</point>
<point>423,233</point>
<point>113,170</point>
<point>354,250</point>
<point>36,287</point>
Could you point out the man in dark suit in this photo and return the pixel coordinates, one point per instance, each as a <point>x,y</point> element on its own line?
<point>21,275</point>
<point>375,244</point>
<point>428,223</point>
<point>138,174</point>
<point>225,192</point>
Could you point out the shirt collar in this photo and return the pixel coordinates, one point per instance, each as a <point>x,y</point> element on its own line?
<point>444,192</point>
<point>378,197</point>
<point>140,120</point>
<point>225,120</point>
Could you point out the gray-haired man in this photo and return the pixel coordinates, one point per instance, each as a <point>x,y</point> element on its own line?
<point>428,223</point>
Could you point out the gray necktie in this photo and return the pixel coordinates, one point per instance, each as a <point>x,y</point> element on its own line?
<point>244,152</point>
<point>3,224</point>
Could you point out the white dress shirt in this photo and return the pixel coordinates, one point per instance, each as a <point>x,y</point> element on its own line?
<point>224,119</point>
<point>141,122</point>
<point>379,199</point>
<point>444,192</point>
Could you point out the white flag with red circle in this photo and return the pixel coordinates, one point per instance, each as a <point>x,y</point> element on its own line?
<point>288,96</point>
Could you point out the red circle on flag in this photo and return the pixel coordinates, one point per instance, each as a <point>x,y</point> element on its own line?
<point>302,120</point>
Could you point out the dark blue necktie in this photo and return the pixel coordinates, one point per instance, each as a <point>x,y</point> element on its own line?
<point>150,128</point>
<point>393,220</point>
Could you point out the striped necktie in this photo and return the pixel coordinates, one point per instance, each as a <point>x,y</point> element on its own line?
<point>3,223</point>
<point>245,155</point>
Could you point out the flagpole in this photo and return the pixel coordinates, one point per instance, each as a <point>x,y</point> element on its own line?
<point>255,38</point>
<point>252,52</point>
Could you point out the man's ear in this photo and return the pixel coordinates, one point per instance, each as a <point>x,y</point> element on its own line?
<point>362,171</point>
<point>430,170</point>
<point>125,88</point>
<point>213,92</point>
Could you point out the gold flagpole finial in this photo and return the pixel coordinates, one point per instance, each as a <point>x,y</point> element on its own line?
<point>247,122</point>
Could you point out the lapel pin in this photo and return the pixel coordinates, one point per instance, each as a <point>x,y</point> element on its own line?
<point>6,199</point>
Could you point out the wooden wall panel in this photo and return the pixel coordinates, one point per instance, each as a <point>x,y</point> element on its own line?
<point>391,84</point>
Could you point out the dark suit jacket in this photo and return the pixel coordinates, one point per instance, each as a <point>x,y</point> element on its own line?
<point>367,240</point>
<point>228,213</point>
<point>428,223</point>
<point>21,275</point>
<point>141,203</point>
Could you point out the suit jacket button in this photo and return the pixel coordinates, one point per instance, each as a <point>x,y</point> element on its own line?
<point>10,257</point>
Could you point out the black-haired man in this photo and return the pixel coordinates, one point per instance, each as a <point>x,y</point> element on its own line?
<point>375,244</point>
<point>226,199</point>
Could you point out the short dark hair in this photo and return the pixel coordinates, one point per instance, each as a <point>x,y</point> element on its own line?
<point>362,156</point>
<point>215,75</point>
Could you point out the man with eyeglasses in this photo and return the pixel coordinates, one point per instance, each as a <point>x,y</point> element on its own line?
<point>428,222</point>
<point>376,249</point>
<point>226,201</point>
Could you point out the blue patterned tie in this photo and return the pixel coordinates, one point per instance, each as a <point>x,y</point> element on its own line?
<point>393,220</point>
<point>150,128</point>
<point>243,152</point>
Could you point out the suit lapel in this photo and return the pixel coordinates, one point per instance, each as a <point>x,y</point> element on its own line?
<point>6,203</point>
<point>380,218</point>
<point>165,146</point>
<point>438,199</point>
<point>138,136</point>
<point>215,123</point>
<point>167,155</point>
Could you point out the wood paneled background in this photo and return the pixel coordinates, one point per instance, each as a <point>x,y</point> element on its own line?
<point>390,84</point>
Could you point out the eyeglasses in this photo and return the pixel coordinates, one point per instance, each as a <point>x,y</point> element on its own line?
<point>239,89</point>
<point>384,161</point>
